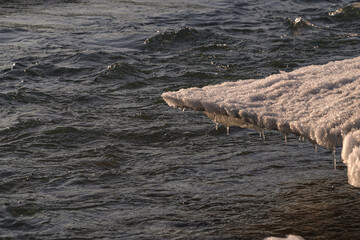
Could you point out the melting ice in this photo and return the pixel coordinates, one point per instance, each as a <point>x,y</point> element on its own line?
<point>319,103</point>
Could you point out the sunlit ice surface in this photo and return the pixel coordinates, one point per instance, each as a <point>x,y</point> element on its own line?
<point>320,103</point>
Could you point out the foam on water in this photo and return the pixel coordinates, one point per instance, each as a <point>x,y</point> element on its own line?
<point>320,103</point>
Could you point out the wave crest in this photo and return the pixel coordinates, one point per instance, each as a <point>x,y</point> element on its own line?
<point>349,12</point>
<point>299,23</point>
<point>181,39</point>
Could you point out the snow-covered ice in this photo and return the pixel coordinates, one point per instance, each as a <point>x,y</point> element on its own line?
<point>351,156</point>
<point>318,102</point>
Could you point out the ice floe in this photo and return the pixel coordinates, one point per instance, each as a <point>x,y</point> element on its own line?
<point>320,103</point>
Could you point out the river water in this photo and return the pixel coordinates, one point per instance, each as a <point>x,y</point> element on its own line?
<point>89,150</point>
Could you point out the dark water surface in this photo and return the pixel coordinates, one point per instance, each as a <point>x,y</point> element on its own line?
<point>89,150</point>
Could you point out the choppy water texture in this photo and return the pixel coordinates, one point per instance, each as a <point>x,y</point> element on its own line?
<point>89,150</point>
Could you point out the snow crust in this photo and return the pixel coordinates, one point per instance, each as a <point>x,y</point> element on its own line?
<point>318,102</point>
<point>351,156</point>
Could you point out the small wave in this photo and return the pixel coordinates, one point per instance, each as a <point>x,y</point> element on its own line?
<point>184,34</point>
<point>69,136</point>
<point>28,95</point>
<point>349,12</point>
<point>122,67</point>
<point>299,23</point>
<point>16,132</point>
<point>121,71</point>
<point>211,47</point>
<point>124,75</point>
<point>183,38</point>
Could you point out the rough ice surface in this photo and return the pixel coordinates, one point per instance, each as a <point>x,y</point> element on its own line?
<point>318,102</point>
<point>351,156</point>
<point>288,237</point>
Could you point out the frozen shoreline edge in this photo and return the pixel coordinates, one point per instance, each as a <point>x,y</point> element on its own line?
<point>332,89</point>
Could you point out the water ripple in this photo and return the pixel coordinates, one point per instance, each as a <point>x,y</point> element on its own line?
<point>89,149</point>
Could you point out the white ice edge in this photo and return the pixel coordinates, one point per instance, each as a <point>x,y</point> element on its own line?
<point>351,156</point>
<point>318,102</point>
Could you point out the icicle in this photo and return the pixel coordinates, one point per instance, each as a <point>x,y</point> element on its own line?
<point>262,135</point>
<point>333,156</point>
<point>228,131</point>
<point>285,139</point>
<point>216,124</point>
<point>315,146</point>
